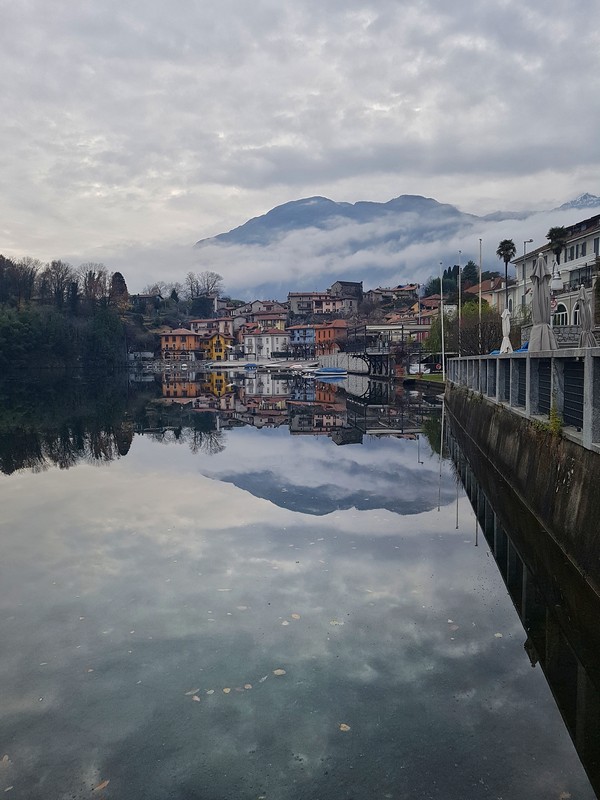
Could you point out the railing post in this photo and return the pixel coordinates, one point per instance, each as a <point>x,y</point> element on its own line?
<point>528,385</point>
<point>595,382</point>
<point>591,400</point>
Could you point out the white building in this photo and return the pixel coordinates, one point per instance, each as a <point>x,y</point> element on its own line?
<point>579,265</point>
<point>262,344</point>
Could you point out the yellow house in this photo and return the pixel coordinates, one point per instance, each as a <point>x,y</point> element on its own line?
<point>216,346</point>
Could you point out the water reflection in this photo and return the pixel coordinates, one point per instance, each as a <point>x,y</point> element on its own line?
<point>183,570</point>
<point>53,421</point>
<point>62,422</point>
<point>558,609</point>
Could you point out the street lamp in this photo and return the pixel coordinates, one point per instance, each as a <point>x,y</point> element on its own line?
<point>459,299</point>
<point>480,273</point>
<point>442,324</point>
<point>556,284</point>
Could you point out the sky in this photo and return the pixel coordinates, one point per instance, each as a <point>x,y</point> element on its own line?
<point>132,129</point>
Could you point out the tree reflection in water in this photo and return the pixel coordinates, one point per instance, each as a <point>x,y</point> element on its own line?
<point>60,422</point>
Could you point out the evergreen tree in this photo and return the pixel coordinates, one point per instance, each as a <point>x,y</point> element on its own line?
<point>470,274</point>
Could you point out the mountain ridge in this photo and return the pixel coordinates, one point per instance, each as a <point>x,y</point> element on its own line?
<point>322,213</point>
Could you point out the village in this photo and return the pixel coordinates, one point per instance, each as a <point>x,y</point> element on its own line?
<point>311,325</point>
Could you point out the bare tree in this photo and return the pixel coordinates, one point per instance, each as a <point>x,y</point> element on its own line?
<point>56,277</point>
<point>159,287</point>
<point>94,283</point>
<point>210,283</point>
<point>203,284</point>
<point>25,273</point>
<point>192,287</point>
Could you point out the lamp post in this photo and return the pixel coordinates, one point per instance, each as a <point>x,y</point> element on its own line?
<point>525,243</point>
<point>480,265</point>
<point>442,323</point>
<point>459,304</point>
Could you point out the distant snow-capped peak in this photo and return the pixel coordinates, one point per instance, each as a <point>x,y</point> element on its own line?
<point>585,200</point>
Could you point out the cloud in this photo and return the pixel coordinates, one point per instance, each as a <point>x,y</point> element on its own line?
<point>131,127</point>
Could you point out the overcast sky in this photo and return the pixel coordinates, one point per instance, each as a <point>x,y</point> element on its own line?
<point>133,128</point>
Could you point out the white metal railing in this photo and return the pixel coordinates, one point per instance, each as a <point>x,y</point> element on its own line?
<point>566,381</point>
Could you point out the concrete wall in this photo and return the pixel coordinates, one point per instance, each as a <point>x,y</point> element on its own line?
<point>556,479</point>
<point>345,361</point>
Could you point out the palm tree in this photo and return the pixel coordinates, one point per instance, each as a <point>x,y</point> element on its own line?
<point>557,238</point>
<point>506,252</point>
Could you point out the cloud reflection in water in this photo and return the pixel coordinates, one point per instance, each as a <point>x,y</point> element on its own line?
<point>128,585</point>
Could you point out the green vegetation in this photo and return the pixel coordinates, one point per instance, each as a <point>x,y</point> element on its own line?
<point>469,275</point>
<point>506,252</point>
<point>474,338</point>
<point>55,316</point>
<point>557,237</point>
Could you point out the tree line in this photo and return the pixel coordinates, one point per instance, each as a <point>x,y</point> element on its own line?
<point>55,314</point>
<point>76,290</point>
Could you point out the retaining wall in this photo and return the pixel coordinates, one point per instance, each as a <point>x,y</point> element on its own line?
<point>557,479</point>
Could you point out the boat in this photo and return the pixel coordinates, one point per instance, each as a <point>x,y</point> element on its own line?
<point>330,372</point>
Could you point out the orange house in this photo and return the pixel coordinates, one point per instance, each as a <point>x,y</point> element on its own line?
<point>328,336</point>
<point>179,344</point>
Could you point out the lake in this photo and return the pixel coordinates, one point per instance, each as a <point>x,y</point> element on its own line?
<point>223,592</point>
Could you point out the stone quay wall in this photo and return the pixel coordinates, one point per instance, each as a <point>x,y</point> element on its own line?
<point>556,478</point>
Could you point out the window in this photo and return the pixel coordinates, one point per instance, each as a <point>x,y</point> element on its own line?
<point>576,314</point>
<point>561,315</point>
<point>571,253</point>
<point>597,246</point>
<point>583,248</point>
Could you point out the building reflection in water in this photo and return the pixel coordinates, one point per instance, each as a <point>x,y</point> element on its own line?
<point>62,422</point>
<point>558,609</point>
<point>344,410</point>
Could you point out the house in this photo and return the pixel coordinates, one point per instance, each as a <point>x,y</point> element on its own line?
<point>260,307</point>
<point>183,344</point>
<point>145,303</point>
<point>269,320</point>
<point>491,290</point>
<point>267,314</point>
<point>347,289</point>
<point>379,295</point>
<point>329,335</point>
<point>304,303</point>
<point>212,325</point>
<point>302,340</point>
<point>393,295</point>
<point>266,344</point>
<point>180,344</point>
<point>216,346</point>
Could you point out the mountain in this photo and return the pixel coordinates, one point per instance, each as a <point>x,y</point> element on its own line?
<point>307,244</point>
<point>582,202</point>
<point>387,220</point>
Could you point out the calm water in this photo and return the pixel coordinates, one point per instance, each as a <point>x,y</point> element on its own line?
<point>193,611</point>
